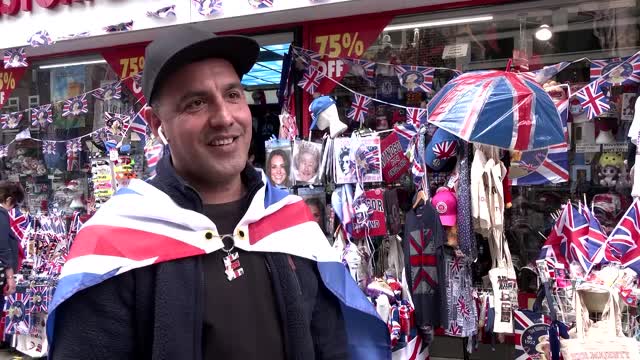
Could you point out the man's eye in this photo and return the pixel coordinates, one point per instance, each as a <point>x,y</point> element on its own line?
<point>235,95</point>
<point>195,104</point>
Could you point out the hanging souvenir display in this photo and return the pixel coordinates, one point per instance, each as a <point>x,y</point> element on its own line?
<point>306,162</point>
<point>376,223</point>
<point>15,58</point>
<point>75,106</point>
<point>278,166</point>
<point>11,121</point>
<point>42,116</point>
<point>109,92</point>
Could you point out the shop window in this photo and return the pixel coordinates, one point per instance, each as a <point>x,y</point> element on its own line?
<point>58,181</point>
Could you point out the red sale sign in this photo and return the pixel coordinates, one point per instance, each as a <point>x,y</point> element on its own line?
<point>346,39</point>
<point>9,78</point>
<point>128,63</point>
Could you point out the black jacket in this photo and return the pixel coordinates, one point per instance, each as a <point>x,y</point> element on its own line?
<point>156,312</point>
<point>8,241</point>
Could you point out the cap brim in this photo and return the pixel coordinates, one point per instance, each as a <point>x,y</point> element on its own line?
<point>448,220</point>
<point>242,52</point>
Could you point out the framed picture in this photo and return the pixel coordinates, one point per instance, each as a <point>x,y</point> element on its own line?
<point>316,200</point>
<point>628,106</point>
<point>581,174</point>
<point>278,163</point>
<point>306,162</point>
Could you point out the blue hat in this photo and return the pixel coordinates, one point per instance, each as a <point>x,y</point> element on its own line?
<point>318,106</point>
<point>441,149</point>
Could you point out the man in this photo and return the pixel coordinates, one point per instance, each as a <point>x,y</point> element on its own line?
<point>209,261</point>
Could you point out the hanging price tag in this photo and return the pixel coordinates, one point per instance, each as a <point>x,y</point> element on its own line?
<point>128,63</point>
<point>9,78</point>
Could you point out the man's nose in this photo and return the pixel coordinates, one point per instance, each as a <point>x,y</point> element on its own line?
<point>220,113</point>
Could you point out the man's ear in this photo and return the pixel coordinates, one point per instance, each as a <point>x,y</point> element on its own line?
<point>152,119</point>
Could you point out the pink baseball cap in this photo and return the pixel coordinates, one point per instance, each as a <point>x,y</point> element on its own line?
<point>446,205</point>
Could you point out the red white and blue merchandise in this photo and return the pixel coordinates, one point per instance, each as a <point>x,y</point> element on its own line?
<point>531,335</point>
<point>40,297</point>
<point>18,319</point>
<point>11,121</point>
<point>364,68</point>
<point>40,38</point>
<point>311,80</point>
<point>117,124</point>
<point>625,238</point>
<point>545,74</point>
<point>616,71</point>
<point>139,126</point>
<point>109,92</point>
<point>593,100</point>
<point>359,108</point>
<point>261,4</point>
<point>152,154</point>
<point>75,106</point>
<point>442,148</point>
<point>42,116</point>
<point>414,78</point>
<point>274,222</point>
<point>416,117</point>
<point>15,58</point>
<point>406,134</point>
<point>497,108</point>
<point>457,293</point>
<point>545,166</point>
<point>208,7</point>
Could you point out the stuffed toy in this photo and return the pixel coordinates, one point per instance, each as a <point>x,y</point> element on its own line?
<point>610,168</point>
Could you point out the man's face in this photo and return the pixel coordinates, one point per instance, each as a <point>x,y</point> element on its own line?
<point>206,120</point>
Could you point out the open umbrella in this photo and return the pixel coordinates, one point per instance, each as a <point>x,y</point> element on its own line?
<point>497,108</point>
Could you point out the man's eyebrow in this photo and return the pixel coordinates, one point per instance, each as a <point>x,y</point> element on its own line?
<point>233,86</point>
<point>191,94</point>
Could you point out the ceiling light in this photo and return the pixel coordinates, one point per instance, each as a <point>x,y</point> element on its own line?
<point>544,33</point>
<point>89,62</point>
<point>464,20</point>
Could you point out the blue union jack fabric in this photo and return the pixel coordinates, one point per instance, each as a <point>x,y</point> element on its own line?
<point>153,229</point>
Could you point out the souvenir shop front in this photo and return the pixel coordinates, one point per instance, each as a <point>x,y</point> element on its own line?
<point>474,168</point>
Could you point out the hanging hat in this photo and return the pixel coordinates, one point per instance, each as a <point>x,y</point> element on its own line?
<point>446,205</point>
<point>441,149</point>
<point>325,115</point>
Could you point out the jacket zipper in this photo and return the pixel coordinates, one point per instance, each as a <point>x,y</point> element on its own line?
<point>295,274</point>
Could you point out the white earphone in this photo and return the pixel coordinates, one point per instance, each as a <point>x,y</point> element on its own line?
<point>162,137</point>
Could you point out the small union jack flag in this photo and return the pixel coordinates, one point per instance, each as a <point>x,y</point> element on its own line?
<point>311,80</point>
<point>4,151</point>
<point>11,121</point>
<point>359,108</point>
<point>556,246</point>
<point>15,58</point>
<point>416,116</point>
<point>48,147</point>
<point>208,7</point>
<point>415,78</point>
<point>593,99</point>
<point>261,4</point>
<point>139,126</point>
<point>418,174</point>
<point>109,92</point>
<point>367,160</point>
<point>40,297</point>
<point>42,116</point>
<point>18,315</point>
<point>625,238</point>
<point>406,133</point>
<point>18,222</point>
<point>40,38</point>
<point>75,106</point>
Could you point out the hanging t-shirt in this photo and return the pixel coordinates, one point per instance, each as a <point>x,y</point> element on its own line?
<point>387,88</point>
<point>458,312</point>
<point>423,234</point>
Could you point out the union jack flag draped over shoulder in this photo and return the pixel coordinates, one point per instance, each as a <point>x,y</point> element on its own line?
<point>153,229</point>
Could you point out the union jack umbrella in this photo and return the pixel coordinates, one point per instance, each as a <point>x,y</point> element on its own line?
<point>42,116</point>
<point>546,166</point>
<point>18,315</point>
<point>625,238</point>
<point>4,151</point>
<point>15,58</point>
<point>109,92</point>
<point>359,108</point>
<point>40,38</point>
<point>75,106</point>
<point>208,7</point>
<point>261,4</point>
<point>497,108</point>
<point>593,99</point>
<point>311,80</point>
<point>416,116</point>
<point>415,78</point>
<point>11,121</point>
<point>48,147</point>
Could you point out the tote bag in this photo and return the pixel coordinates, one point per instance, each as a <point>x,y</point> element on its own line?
<point>602,340</point>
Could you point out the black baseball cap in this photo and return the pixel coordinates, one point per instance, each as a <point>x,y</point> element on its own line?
<point>187,45</point>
